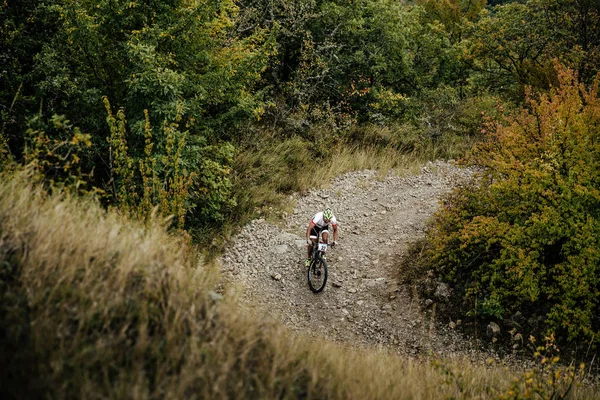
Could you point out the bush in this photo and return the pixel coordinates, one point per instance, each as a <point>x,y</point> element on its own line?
<point>525,237</point>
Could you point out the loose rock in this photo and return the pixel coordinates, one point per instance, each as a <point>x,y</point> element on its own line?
<point>378,219</point>
<point>493,329</point>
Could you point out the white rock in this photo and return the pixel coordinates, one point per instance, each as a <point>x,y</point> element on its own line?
<point>276,277</point>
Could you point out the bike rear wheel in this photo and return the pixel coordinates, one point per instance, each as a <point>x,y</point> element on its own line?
<point>317,275</point>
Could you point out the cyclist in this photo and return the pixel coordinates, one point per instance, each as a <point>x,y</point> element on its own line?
<point>320,224</point>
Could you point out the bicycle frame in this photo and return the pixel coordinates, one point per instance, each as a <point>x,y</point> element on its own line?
<point>317,249</point>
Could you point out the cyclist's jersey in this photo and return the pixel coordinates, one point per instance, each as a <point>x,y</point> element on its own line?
<point>320,223</point>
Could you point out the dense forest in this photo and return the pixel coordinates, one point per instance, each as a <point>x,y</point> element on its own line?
<point>163,96</point>
<point>211,112</point>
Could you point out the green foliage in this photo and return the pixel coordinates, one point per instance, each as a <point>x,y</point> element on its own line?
<point>195,194</point>
<point>170,58</point>
<point>214,188</point>
<point>390,53</point>
<point>121,164</point>
<point>54,152</point>
<point>4,152</point>
<point>225,71</point>
<point>346,62</point>
<point>176,61</point>
<point>518,37</point>
<point>525,237</point>
<point>516,43</point>
<point>158,181</point>
<point>455,15</point>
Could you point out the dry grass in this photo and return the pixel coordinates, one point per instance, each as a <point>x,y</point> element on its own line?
<point>347,159</point>
<point>271,167</point>
<point>268,175</point>
<point>95,306</point>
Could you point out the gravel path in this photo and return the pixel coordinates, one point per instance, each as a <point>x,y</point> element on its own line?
<point>362,303</point>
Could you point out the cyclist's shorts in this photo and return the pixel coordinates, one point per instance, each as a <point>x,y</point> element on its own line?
<point>314,232</point>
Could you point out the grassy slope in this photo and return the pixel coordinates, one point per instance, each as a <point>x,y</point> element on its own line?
<point>95,306</point>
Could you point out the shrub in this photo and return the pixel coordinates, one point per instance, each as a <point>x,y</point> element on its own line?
<point>54,150</point>
<point>159,179</point>
<point>549,380</point>
<point>526,235</point>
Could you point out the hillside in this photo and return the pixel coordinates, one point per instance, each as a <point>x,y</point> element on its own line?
<point>95,305</point>
<point>362,304</point>
<point>160,161</point>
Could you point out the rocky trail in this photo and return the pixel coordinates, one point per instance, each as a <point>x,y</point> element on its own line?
<point>362,303</point>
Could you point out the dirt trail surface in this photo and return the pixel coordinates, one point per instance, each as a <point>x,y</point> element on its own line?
<point>362,303</point>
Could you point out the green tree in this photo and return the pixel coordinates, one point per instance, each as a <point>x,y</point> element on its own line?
<point>516,43</point>
<point>389,53</point>
<point>349,61</point>
<point>179,60</point>
<point>453,14</point>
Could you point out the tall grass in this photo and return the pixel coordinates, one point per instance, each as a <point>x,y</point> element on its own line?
<point>93,305</point>
<point>271,167</point>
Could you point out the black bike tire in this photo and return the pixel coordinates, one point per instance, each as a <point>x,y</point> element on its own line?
<point>324,264</point>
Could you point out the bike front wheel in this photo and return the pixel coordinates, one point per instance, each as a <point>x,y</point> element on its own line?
<point>317,275</point>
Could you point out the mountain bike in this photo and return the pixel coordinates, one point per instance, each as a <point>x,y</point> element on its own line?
<point>317,270</point>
